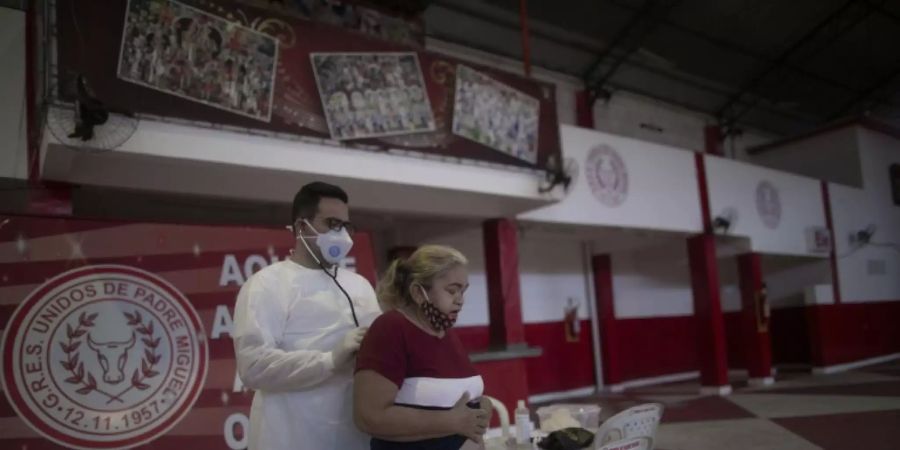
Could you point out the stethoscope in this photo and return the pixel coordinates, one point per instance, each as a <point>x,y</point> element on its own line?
<point>338,284</point>
<point>333,277</point>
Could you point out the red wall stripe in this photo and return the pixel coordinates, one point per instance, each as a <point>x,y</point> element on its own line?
<point>789,332</point>
<point>854,331</point>
<point>656,346</point>
<point>562,366</point>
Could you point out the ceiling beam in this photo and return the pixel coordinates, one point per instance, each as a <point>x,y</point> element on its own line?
<point>510,20</point>
<point>620,36</point>
<point>481,47</point>
<point>741,50</point>
<point>879,8</point>
<point>512,25</point>
<point>729,117</point>
<point>628,40</point>
<point>866,94</point>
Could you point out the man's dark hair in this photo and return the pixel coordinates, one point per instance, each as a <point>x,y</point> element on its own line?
<point>306,202</point>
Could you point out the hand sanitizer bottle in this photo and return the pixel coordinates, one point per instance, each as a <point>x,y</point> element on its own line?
<point>523,426</point>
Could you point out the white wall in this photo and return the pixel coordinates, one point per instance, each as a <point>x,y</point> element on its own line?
<point>854,209</point>
<point>550,272</point>
<point>13,143</point>
<point>624,113</point>
<point>788,277</point>
<point>733,184</point>
<point>662,186</point>
<point>831,156</point>
<point>166,157</point>
<point>468,241</point>
<point>730,290</point>
<point>654,282</point>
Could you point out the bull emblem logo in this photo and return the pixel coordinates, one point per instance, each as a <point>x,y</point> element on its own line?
<point>103,356</point>
<point>112,357</point>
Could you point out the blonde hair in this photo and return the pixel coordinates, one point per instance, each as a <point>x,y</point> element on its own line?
<point>422,267</point>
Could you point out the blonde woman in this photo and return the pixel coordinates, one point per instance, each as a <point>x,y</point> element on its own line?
<point>414,386</point>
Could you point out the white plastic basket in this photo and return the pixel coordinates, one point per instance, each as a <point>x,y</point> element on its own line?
<point>586,414</point>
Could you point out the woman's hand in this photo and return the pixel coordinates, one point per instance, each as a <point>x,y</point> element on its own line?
<point>376,414</point>
<point>469,422</point>
<point>488,409</point>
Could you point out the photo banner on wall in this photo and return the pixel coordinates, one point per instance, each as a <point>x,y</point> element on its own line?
<point>372,94</point>
<point>182,51</point>
<point>118,334</point>
<point>296,104</point>
<point>496,115</point>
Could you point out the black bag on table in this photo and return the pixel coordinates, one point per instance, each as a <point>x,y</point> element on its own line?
<point>567,439</point>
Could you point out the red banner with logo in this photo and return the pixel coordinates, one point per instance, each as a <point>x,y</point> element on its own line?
<point>294,105</point>
<point>117,334</point>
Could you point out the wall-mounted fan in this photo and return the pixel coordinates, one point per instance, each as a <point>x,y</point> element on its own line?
<point>88,124</point>
<point>557,174</point>
<point>725,220</point>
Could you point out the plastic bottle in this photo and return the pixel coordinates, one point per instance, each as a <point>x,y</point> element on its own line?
<point>523,426</point>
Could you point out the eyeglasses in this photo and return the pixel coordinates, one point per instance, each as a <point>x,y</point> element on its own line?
<point>335,224</point>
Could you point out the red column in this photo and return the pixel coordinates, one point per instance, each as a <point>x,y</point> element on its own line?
<point>504,379</point>
<point>584,109</point>
<point>507,381</point>
<point>363,253</point>
<point>712,137</point>
<point>708,315</point>
<point>526,44</point>
<point>501,261</point>
<point>754,320</point>
<point>606,314</point>
<point>32,128</point>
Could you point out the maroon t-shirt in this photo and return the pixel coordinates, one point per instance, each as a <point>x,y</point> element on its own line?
<point>430,372</point>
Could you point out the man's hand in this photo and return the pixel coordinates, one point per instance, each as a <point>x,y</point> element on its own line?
<point>468,422</point>
<point>346,349</point>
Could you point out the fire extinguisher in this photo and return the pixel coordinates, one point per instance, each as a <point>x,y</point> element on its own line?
<point>762,310</point>
<point>571,322</point>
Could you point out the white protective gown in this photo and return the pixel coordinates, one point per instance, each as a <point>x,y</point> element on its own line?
<point>286,321</point>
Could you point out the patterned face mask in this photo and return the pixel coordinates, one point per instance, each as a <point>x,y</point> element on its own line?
<point>439,320</point>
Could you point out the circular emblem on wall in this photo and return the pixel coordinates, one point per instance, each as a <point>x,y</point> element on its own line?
<point>768,204</point>
<point>607,175</point>
<point>104,357</point>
